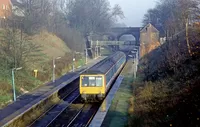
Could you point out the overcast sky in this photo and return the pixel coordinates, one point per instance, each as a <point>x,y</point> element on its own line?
<point>134,10</point>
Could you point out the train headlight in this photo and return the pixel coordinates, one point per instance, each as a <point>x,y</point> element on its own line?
<point>83,92</point>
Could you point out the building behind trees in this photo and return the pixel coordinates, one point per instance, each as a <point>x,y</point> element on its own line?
<point>149,39</point>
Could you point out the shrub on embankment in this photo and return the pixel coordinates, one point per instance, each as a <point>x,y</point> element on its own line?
<point>169,58</point>
<point>167,90</point>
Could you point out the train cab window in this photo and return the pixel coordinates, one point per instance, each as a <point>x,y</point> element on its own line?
<point>92,81</point>
<point>99,81</point>
<point>85,81</point>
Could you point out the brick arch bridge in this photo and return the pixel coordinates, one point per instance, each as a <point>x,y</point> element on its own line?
<point>114,34</point>
<point>117,32</point>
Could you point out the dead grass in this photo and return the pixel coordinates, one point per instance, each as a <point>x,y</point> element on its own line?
<point>149,98</point>
<point>52,45</point>
<point>160,104</point>
<point>170,95</point>
<point>131,105</point>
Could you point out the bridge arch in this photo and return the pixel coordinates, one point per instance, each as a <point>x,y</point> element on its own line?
<point>134,31</point>
<point>127,37</point>
<point>135,35</point>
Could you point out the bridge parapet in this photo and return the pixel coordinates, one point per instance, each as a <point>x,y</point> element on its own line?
<point>106,43</point>
<point>109,43</point>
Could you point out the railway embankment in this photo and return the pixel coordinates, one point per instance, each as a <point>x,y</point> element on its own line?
<point>166,93</point>
<point>118,114</point>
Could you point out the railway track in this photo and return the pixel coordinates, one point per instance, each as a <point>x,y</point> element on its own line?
<point>70,111</point>
<point>84,118</point>
<point>78,115</point>
<point>67,116</point>
<point>56,110</point>
<point>73,114</point>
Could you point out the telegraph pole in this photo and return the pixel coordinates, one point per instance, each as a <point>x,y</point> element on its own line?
<point>54,66</point>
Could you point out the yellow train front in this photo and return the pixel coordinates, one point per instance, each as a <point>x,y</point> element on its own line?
<point>96,82</point>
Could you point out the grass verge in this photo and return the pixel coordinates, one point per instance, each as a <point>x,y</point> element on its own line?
<point>118,113</point>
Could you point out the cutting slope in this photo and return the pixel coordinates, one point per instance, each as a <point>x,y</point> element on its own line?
<point>52,46</point>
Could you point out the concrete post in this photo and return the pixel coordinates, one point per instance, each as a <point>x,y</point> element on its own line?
<point>54,66</point>
<point>97,46</point>
<point>13,84</point>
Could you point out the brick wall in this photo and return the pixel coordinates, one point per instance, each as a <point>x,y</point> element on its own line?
<point>5,8</point>
<point>149,39</point>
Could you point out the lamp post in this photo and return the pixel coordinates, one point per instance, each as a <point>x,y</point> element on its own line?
<point>73,66</point>
<point>54,66</point>
<point>13,81</point>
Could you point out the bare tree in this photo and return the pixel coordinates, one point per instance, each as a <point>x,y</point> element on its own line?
<point>171,15</point>
<point>36,13</point>
<point>69,17</point>
<point>92,15</point>
<point>18,52</point>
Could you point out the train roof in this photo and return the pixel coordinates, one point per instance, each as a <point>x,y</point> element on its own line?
<point>103,66</point>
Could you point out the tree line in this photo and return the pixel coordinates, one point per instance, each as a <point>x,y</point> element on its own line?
<point>84,16</point>
<point>71,20</point>
<point>177,19</point>
<point>172,16</point>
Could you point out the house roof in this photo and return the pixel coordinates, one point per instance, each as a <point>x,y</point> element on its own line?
<point>153,29</point>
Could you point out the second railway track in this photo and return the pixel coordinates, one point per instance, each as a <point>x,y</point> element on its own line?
<point>84,118</point>
<point>76,115</point>
<point>51,114</point>
<point>70,111</point>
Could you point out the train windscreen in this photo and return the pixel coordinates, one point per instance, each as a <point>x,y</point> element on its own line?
<point>92,81</point>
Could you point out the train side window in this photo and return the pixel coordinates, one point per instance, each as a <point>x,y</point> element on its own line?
<point>106,79</point>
